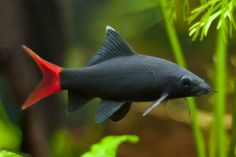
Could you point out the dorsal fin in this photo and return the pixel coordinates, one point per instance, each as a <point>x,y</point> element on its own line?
<point>113,46</point>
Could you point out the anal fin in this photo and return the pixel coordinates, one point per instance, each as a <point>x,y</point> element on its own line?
<point>76,100</point>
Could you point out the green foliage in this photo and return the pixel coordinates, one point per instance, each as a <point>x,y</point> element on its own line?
<point>168,15</point>
<point>10,135</point>
<point>108,146</point>
<point>213,10</point>
<point>5,153</point>
<point>171,9</point>
<point>222,11</point>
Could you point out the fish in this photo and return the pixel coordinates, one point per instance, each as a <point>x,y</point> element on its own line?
<point>119,76</point>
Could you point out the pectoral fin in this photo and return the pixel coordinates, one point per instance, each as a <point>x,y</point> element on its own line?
<point>155,103</point>
<point>107,108</point>
<point>179,110</point>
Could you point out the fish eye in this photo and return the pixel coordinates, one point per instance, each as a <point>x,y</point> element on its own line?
<point>186,82</point>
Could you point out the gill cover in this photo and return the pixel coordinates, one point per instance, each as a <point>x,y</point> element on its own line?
<point>50,83</point>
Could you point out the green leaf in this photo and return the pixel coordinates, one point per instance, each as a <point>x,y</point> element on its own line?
<point>108,146</point>
<point>212,10</point>
<point>5,153</point>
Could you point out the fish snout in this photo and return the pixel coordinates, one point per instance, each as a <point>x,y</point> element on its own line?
<point>205,88</point>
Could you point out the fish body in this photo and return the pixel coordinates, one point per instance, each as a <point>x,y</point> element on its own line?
<point>132,78</point>
<point>119,76</point>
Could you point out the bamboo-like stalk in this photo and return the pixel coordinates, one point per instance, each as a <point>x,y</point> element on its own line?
<point>219,108</point>
<point>181,61</point>
<point>232,147</point>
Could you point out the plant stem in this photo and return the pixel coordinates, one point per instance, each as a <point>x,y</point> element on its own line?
<point>219,132</point>
<point>231,152</point>
<point>181,61</point>
<point>203,2</point>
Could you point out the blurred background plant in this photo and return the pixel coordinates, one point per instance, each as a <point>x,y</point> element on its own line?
<point>4,153</point>
<point>199,34</point>
<point>10,134</point>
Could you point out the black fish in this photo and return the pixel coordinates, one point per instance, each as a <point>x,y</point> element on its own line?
<point>118,75</point>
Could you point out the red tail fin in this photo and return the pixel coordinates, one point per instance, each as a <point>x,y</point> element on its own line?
<point>50,83</point>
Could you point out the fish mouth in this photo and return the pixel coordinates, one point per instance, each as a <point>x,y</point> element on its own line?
<point>203,92</point>
<point>204,89</point>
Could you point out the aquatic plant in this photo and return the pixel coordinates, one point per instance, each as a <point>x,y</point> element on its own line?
<point>221,11</point>
<point>4,153</point>
<point>201,19</point>
<point>224,12</point>
<point>108,146</point>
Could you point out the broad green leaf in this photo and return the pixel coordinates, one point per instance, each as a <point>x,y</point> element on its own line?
<point>5,153</point>
<point>108,146</point>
